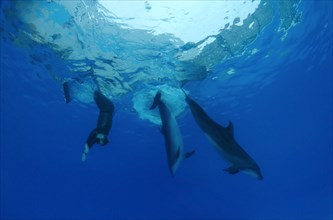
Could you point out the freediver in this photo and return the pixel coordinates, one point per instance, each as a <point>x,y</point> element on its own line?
<point>99,134</point>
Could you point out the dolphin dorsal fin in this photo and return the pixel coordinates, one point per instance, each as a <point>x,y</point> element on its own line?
<point>230,128</point>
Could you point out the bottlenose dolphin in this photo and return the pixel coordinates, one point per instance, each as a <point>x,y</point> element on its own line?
<point>172,136</point>
<point>224,142</point>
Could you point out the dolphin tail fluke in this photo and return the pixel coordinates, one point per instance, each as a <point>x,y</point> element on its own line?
<point>184,91</point>
<point>189,154</point>
<point>186,96</point>
<point>183,83</point>
<point>157,100</point>
<point>85,153</point>
<point>232,170</point>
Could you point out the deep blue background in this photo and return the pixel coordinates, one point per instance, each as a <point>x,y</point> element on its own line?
<point>288,130</point>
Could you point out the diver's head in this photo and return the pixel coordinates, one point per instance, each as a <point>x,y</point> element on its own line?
<point>102,139</point>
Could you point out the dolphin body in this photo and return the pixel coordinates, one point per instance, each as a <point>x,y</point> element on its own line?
<point>172,135</point>
<point>224,142</point>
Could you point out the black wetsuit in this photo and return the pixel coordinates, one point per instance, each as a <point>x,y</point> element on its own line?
<point>104,123</point>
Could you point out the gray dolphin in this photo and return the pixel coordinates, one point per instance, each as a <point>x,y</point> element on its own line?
<point>172,135</point>
<point>224,142</point>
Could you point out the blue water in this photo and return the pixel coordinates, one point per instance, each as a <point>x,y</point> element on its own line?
<point>285,125</point>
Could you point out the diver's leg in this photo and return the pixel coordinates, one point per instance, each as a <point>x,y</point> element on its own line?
<point>104,104</point>
<point>104,122</point>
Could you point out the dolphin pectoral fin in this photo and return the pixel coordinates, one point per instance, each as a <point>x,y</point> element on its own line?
<point>85,153</point>
<point>189,154</point>
<point>230,128</point>
<point>232,170</point>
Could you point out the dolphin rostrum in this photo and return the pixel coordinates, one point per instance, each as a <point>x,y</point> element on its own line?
<point>224,142</point>
<point>172,136</point>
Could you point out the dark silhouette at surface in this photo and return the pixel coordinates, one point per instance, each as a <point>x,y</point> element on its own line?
<point>67,95</point>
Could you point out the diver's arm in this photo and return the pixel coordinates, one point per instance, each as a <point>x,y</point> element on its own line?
<point>89,143</point>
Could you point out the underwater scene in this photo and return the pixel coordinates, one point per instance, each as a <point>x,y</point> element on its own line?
<point>166,109</point>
